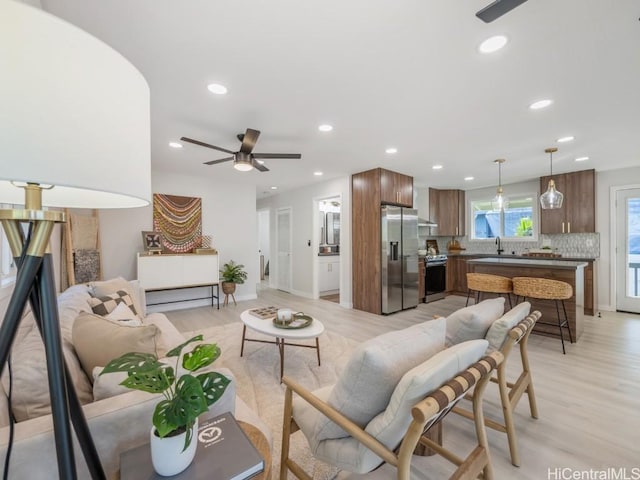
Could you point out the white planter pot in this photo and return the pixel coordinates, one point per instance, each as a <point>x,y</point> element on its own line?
<point>167,455</point>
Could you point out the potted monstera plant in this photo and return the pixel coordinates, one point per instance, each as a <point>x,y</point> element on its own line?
<point>186,396</point>
<point>232,274</point>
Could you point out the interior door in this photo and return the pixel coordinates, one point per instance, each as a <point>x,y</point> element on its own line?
<point>283,242</point>
<point>628,250</point>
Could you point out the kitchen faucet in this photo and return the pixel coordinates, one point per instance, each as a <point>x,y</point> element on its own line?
<point>500,250</point>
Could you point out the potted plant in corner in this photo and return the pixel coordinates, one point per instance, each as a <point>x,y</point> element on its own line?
<point>186,396</point>
<point>231,274</point>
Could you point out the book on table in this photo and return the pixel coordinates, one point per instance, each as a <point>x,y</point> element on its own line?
<point>224,453</point>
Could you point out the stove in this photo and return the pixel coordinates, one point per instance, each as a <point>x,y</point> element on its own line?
<point>435,259</point>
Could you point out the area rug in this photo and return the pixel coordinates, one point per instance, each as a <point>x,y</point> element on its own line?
<point>257,374</point>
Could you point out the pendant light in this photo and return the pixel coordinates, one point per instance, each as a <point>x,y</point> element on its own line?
<point>500,202</point>
<point>552,198</point>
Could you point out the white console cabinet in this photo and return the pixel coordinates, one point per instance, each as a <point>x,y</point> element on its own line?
<point>173,271</point>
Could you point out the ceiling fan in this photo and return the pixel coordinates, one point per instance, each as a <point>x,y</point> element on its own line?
<point>497,9</point>
<point>244,160</point>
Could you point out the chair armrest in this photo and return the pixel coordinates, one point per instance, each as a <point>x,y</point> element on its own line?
<point>343,422</point>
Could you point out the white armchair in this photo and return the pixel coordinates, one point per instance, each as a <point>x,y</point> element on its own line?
<point>361,445</point>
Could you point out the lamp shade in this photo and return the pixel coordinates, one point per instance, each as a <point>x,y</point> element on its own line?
<point>74,114</point>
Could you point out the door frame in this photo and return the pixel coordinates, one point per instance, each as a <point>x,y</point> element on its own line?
<point>613,236</point>
<point>277,282</point>
<point>315,244</point>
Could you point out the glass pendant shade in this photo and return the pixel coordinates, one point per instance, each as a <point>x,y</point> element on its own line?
<point>552,198</point>
<point>500,202</point>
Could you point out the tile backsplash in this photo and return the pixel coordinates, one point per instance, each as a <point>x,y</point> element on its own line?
<point>573,245</point>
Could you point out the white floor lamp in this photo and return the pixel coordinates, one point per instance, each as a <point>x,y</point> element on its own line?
<point>74,132</point>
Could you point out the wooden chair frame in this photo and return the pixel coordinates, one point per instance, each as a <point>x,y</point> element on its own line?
<point>510,393</point>
<point>426,413</point>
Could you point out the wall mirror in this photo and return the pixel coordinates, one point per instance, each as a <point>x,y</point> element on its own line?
<point>332,227</point>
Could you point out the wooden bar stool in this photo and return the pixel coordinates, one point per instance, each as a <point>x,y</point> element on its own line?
<point>546,289</point>
<point>486,283</point>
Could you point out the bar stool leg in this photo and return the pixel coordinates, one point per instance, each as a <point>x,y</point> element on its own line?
<point>566,319</point>
<point>468,295</point>
<point>509,298</point>
<point>560,327</point>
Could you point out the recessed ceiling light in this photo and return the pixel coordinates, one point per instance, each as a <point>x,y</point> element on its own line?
<point>317,174</point>
<point>325,128</point>
<point>493,44</point>
<point>581,159</point>
<point>568,138</point>
<point>468,179</point>
<point>274,188</point>
<point>175,145</point>
<point>217,88</point>
<point>391,150</point>
<point>540,104</point>
<point>437,167</point>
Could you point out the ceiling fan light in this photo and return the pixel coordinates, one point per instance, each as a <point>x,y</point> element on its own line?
<point>242,165</point>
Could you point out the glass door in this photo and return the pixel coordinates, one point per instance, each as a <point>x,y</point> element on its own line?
<point>628,250</point>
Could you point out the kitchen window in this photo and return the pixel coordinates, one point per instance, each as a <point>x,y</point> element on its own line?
<point>516,222</point>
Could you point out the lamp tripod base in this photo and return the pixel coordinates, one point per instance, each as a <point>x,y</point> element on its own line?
<point>35,284</point>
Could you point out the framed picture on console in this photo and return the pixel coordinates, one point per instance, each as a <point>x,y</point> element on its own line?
<point>152,242</point>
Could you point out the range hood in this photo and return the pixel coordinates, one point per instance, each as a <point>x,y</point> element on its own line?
<point>426,223</point>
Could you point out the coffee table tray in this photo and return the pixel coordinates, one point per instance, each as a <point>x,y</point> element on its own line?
<point>299,321</point>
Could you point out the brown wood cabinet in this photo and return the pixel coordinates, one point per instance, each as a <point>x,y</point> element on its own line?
<point>395,188</point>
<point>446,208</point>
<point>578,212</point>
<point>370,190</point>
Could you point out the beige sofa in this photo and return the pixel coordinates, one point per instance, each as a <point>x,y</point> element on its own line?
<point>117,422</point>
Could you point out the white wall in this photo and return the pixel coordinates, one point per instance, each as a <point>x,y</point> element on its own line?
<point>228,215</point>
<point>605,211</point>
<point>304,256</point>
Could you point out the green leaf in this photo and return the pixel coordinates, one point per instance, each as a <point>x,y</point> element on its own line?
<point>181,410</point>
<point>133,362</point>
<point>174,352</point>
<point>213,386</point>
<point>201,356</point>
<point>152,381</point>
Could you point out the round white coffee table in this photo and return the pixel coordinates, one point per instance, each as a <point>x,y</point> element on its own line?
<point>266,327</point>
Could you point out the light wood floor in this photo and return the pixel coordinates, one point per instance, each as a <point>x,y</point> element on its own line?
<point>588,399</point>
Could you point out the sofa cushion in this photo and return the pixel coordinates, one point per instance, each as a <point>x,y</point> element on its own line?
<point>499,329</point>
<point>107,287</point>
<point>168,335</point>
<point>373,371</point>
<point>30,390</point>
<point>472,323</point>
<point>107,303</point>
<point>98,341</point>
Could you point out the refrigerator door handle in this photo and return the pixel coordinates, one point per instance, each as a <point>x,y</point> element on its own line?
<point>393,248</point>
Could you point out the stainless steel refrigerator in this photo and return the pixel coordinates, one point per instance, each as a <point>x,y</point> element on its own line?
<point>399,258</point>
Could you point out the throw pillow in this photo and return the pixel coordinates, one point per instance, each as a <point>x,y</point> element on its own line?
<point>373,371</point>
<point>106,304</point>
<point>98,341</point>
<point>123,315</point>
<point>107,287</point>
<point>472,323</point>
<point>499,329</point>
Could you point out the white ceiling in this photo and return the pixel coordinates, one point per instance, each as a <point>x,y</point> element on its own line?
<point>402,73</point>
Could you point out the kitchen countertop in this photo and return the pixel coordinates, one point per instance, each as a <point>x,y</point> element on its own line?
<point>524,257</point>
<point>529,262</point>
<point>332,254</point>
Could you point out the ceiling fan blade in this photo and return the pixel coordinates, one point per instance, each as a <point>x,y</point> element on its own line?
<point>497,9</point>
<point>259,166</point>
<point>213,162</point>
<point>249,140</point>
<point>277,155</point>
<point>202,144</point>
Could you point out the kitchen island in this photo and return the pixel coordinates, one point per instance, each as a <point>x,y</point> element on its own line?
<point>571,272</point>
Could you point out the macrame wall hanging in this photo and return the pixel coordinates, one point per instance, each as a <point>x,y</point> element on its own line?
<point>179,219</point>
